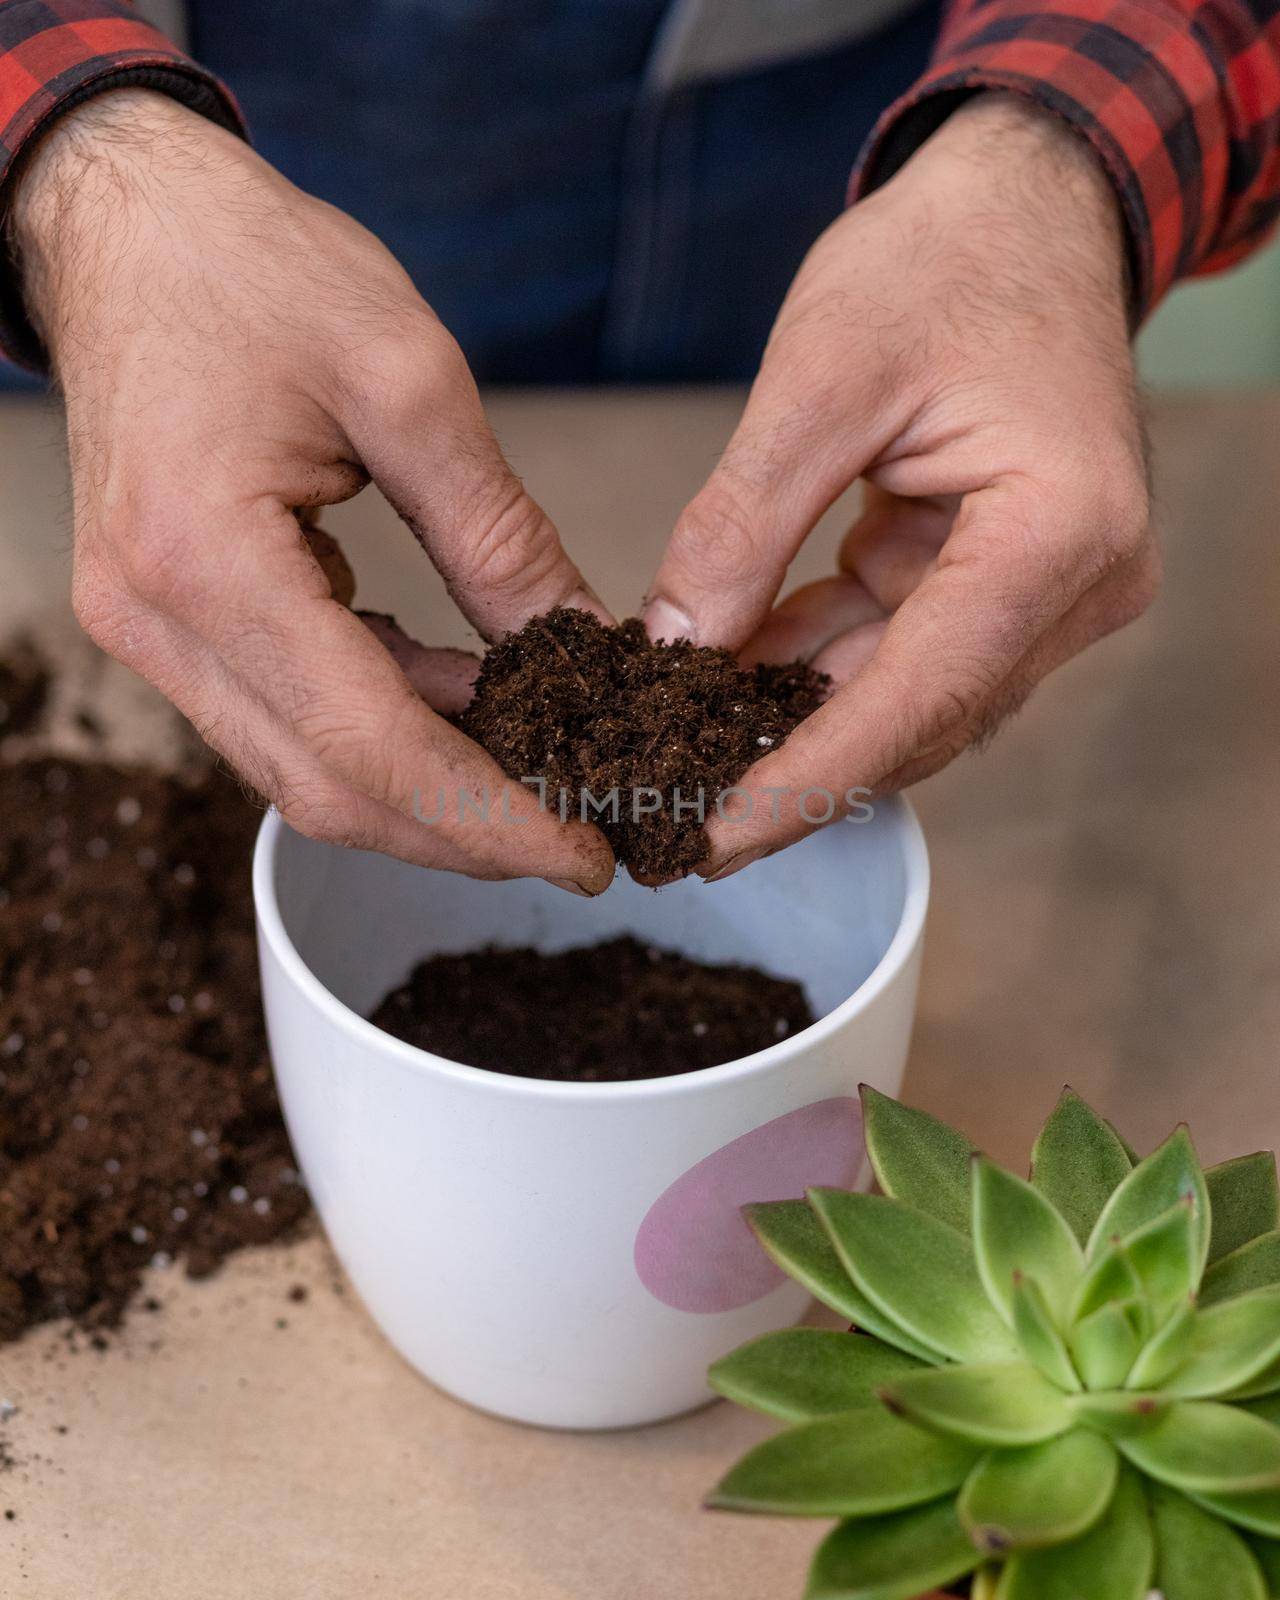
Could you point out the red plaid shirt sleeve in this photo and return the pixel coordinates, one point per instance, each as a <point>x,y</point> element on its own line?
<point>56,53</point>
<point>1180,99</point>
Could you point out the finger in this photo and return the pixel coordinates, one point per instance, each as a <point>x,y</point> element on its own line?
<point>894,545</point>
<point>418,425</point>
<point>328,554</point>
<point>801,626</point>
<point>341,694</point>
<point>785,465</point>
<point>948,648</point>
<point>886,554</point>
<point>845,657</point>
<point>1120,598</point>
<point>445,679</point>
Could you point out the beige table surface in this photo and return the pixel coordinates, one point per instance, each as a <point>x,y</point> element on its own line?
<point>1106,910</point>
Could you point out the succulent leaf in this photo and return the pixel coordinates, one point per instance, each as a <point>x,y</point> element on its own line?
<point>1255,1265</point>
<point>892,1558</point>
<point>1267,1554</point>
<point>1046,1494</point>
<point>1166,1256</point>
<point>1105,1345</point>
<point>1258,1513</point>
<point>917,1271</point>
<point>1155,1186</point>
<point>800,1374</point>
<point>1115,1560</point>
<point>917,1159</point>
<point>1156,1264</point>
<point>796,1241</point>
<point>1117,1414</point>
<point>1017,1230</point>
<point>1245,1197</point>
<point>1266,1383</point>
<point>1039,1336</point>
<point>1204,1447</point>
<point>1111,1279</point>
<point>1078,1162</point>
<point>1199,1556</point>
<point>1166,1350</point>
<point>860,1464</point>
<point>1231,1344</point>
<point>1001,1404</point>
<point>985,1583</point>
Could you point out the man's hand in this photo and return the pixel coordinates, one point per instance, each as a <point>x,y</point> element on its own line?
<point>235,354</point>
<point>959,340</point>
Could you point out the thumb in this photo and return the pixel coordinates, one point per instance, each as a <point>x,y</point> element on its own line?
<point>793,453</point>
<point>422,434</point>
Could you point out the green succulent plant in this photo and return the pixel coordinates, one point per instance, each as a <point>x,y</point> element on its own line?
<point>1062,1389</point>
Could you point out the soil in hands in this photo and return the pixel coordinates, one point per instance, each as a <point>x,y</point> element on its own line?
<point>599,1014</point>
<point>603,711</point>
<point>138,1121</point>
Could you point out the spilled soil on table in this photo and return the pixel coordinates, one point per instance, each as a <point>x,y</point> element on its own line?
<point>139,1124</point>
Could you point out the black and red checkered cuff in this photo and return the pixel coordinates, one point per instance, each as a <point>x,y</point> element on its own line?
<point>55,54</point>
<point>1131,77</point>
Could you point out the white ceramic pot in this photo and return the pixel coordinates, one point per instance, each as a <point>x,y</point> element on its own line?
<point>565,1254</point>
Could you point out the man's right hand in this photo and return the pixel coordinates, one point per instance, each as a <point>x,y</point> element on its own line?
<point>235,354</point>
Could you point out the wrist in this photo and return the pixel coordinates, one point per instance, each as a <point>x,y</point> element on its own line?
<point>78,198</point>
<point>1004,159</point>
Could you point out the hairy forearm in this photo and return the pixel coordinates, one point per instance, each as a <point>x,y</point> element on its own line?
<point>123,159</point>
<point>1016,167</point>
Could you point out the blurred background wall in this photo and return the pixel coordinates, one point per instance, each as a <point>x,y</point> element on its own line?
<point>1218,332</point>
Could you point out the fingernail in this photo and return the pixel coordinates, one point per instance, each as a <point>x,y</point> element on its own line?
<point>665,623</point>
<point>585,599</point>
<point>570,887</point>
<point>735,863</point>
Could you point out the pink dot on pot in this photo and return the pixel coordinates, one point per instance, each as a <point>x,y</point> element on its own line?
<point>695,1252</point>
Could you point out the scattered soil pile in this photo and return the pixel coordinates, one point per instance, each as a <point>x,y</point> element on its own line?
<point>602,710</point>
<point>600,1014</point>
<point>138,1119</point>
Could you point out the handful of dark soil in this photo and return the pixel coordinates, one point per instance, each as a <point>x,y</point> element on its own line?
<point>603,1013</point>
<point>603,713</point>
<point>138,1120</point>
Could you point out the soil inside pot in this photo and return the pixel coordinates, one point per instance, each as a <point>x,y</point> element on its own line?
<point>601,1013</point>
<point>602,712</point>
<point>138,1119</point>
